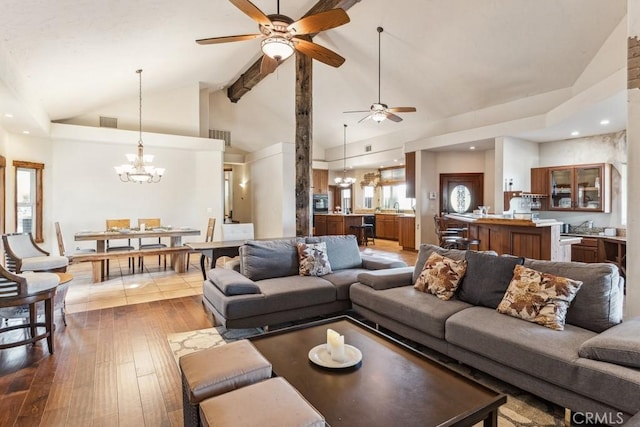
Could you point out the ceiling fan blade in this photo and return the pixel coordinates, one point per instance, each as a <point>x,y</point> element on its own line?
<point>227,39</point>
<point>357,111</point>
<point>401,110</point>
<point>392,117</point>
<point>268,65</point>
<point>252,11</point>
<point>365,118</point>
<point>319,22</point>
<point>318,52</point>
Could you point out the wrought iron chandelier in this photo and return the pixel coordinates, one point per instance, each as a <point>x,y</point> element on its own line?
<point>345,181</point>
<point>139,169</point>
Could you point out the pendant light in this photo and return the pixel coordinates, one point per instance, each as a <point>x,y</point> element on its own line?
<point>345,181</point>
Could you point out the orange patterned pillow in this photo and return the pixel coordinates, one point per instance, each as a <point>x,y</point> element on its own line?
<point>441,276</point>
<point>538,297</point>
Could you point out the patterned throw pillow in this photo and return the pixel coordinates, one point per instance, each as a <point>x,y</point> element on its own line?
<point>440,276</point>
<point>538,297</point>
<point>313,259</point>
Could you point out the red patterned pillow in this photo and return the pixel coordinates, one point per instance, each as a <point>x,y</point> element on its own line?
<point>441,276</point>
<point>538,297</point>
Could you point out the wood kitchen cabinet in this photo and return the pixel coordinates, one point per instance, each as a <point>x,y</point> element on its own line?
<point>320,225</point>
<point>410,174</point>
<point>320,181</point>
<point>387,226</point>
<point>586,251</point>
<point>580,188</point>
<point>407,233</point>
<point>540,185</point>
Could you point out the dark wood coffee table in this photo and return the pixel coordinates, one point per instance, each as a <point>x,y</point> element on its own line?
<point>394,385</point>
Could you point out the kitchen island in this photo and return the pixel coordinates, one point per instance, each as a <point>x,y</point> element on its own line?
<point>539,239</point>
<point>336,224</point>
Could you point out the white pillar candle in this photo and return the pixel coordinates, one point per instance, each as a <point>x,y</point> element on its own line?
<point>332,336</point>
<point>337,349</point>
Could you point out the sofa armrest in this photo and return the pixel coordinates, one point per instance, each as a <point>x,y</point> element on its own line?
<point>619,344</point>
<point>386,279</point>
<point>231,282</point>
<point>379,263</point>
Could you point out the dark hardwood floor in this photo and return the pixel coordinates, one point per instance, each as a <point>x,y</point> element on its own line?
<point>112,367</point>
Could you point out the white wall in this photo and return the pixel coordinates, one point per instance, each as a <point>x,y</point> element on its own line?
<point>241,193</point>
<point>273,191</point>
<point>172,112</point>
<point>427,181</point>
<point>82,190</point>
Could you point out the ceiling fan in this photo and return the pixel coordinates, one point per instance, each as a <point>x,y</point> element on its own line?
<point>280,35</point>
<point>379,111</point>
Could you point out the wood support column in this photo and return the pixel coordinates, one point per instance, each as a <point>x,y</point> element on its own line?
<point>304,143</point>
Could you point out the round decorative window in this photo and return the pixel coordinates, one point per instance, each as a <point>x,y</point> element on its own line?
<point>460,198</point>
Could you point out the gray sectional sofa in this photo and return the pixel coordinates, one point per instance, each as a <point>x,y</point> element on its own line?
<point>590,367</point>
<point>267,288</point>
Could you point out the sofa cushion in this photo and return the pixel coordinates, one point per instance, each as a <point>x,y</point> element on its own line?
<point>343,279</point>
<point>343,251</point>
<point>540,298</point>
<point>619,344</point>
<point>544,353</point>
<point>270,258</point>
<point>487,278</point>
<point>598,305</point>
<point>425,252</point>
<point>279,294</point>
<point>424,312</point>
<point>312,259</point>
<point>441,276</point>
<point>230,282</point>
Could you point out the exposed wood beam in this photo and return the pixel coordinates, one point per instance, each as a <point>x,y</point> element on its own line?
<point>252,76</point>
<point>304,143</point>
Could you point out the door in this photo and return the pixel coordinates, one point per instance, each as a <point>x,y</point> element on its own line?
<point>461,192</point>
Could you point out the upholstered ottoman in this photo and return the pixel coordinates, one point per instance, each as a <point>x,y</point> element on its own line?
<point>217,370</point>
<point>270,403</point>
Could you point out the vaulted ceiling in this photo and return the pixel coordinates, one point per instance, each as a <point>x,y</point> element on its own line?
<point>445,57</point>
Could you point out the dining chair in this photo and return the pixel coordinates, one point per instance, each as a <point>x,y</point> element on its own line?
<point>211,224</point>
<point>117,225</point>
<point>61,248</point>
<point>23,254</point>
<point>150,223</point>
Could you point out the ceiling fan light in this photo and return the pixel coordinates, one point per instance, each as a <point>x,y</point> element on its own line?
<point>277,47</point>
<point>378,116</point>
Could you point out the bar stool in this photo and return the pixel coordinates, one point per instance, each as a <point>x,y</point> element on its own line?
<point>364,233</point>
<point>461,243</point>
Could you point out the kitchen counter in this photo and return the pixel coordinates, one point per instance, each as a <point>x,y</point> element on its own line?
<point>520,237</point>
<point>336,224</point>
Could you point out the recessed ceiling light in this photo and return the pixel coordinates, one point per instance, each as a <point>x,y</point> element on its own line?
<point>472,148</point>
<point>26,132</point>
<point>605,122</point>
<point>575,133</point>
<point>395,160</point>
<point>8,115</point>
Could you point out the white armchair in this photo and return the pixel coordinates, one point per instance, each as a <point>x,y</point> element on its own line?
<point>23,254</point>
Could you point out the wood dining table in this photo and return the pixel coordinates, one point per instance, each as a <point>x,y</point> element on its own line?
<point>175,235</point>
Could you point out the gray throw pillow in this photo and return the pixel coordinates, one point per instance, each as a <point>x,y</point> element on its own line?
<point>343,251</point>
<point>487,278</point>
<point>269,258</point>
<point>619,344</point>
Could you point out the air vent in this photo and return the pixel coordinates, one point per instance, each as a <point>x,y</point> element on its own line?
<point>108,122</point>
<point>225,135</point>
<point>367,148</point>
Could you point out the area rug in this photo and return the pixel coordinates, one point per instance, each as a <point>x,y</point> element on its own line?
<point>521,410</point>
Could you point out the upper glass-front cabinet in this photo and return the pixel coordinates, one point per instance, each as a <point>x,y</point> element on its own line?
<point>581,188</point>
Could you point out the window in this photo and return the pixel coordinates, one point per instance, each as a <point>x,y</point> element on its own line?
<point>28,202</point>
<point>368,193</point>
<point>393,197</point>
<point>345,197</point>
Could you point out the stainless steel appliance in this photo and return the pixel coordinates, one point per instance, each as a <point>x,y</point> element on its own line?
<point>320,203</point>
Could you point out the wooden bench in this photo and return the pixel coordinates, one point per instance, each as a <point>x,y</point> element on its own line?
<point>97,258</point>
